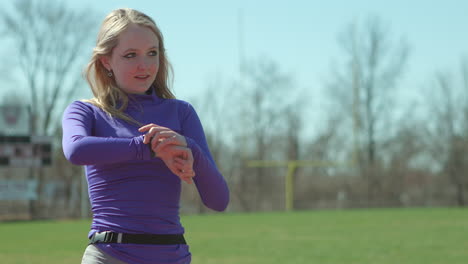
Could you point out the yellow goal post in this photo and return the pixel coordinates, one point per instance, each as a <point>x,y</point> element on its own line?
<point>291,166</point>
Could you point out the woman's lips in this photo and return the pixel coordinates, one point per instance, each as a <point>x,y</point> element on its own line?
<point>142,77</point>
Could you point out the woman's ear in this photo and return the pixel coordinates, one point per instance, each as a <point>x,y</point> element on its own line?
<point>105,62</point>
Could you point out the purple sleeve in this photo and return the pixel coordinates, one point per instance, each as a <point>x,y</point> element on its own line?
<point>81,148</point>
<point>210,183</point>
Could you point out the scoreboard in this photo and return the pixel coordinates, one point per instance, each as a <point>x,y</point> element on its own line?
<point>25,151</point>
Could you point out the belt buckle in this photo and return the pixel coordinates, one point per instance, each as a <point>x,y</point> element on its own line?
<point>99,237</point>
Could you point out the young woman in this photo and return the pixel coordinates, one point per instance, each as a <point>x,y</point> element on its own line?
<point>137,143</point>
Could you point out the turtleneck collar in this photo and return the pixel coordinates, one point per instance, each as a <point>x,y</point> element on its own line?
<point>149,96</point>
<point>136,102</point>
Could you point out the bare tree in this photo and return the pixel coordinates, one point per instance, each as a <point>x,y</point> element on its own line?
<point>214,115</point>
<point>363,86</point>
<point>450,134</point>
<point>220,121</point>
<point>405,163</point>
<point>212,106</point>
<point>263,99</point>
<point>51,42</point>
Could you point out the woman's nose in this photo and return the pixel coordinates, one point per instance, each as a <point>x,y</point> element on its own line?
<point>144,64</point>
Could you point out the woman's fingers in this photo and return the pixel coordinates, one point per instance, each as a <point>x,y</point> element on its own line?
<point>171,147</point>
<point>154,132</point>
<point>187,161</point>
<point>159,143</point>
<point>180,172</point>
<point>171,137</point>
<point>180,161</point>
<point>176,151</point>
<point>148,127</point>
<point>174,167</point>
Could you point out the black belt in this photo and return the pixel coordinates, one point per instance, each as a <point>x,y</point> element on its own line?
<point>160,239</point>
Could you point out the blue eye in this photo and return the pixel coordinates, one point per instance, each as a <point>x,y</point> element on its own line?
<point>130,55</point>
<point>153,53</point>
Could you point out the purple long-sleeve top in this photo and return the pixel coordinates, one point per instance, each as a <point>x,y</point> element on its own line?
<point>131,191</point>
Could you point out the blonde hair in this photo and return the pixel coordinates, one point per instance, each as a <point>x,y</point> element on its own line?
<point>105,90</point>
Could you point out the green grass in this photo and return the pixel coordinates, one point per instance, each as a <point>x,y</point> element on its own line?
<point>376,236</point>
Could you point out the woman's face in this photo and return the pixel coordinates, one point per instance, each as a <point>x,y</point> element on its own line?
<point>135,60</point>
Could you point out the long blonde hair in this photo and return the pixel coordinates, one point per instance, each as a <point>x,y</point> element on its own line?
<point>106,93</point>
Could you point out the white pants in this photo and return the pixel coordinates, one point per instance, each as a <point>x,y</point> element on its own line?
<point>94,255</point>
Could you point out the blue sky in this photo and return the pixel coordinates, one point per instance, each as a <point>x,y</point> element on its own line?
<point>202,37</point>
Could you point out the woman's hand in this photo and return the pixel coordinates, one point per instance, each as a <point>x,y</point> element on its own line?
<point>171,147</point>
<point>179,160</point>
<point>160,137</point>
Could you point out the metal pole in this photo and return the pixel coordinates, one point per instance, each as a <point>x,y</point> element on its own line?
<point>292,165</point>
<point>289,186</point>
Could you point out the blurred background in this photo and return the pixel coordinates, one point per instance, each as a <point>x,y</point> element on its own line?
<point>305,104</point>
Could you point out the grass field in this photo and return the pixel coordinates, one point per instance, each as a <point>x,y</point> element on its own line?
<point>375,236</point>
